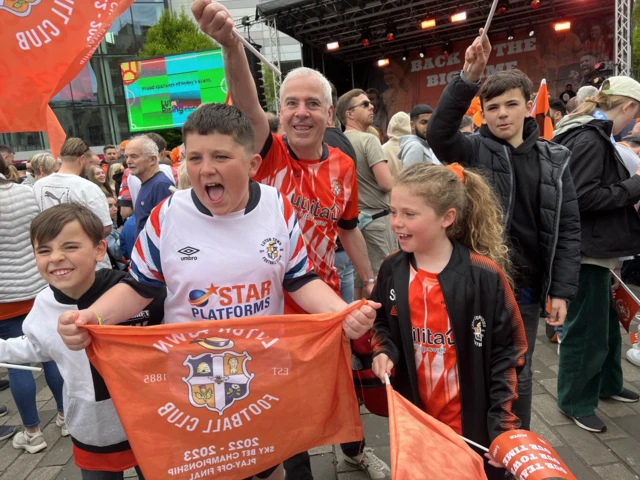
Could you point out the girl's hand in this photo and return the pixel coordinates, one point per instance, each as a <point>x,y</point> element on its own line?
<point>492,461</point>
<point>382,365</point>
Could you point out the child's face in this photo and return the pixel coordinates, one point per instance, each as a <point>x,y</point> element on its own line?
<point>113,208</point>
<point>68,261</point>
<point>505,114</point>
<point>219,170</point>
<point>416,225</point>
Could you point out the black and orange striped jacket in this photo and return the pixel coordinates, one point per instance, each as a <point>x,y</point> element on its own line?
<point>475,290</point>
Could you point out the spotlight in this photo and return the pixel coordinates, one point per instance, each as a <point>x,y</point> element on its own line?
<point>532,31</point>
<point>383,62</point>
<point>391,33</point>
<point>503,7</point>
<point>405,56</point>
<point>423,52</point>
<point>535,4</point>
<point>365,39</point>
<point>446,49</point>
<point>458,17</point>
<point>562,26</point>
<point>333,46</point>
<point>510,34</point>
<point>428,23</point>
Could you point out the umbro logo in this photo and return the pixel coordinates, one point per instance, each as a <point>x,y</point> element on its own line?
<point>188,253</point>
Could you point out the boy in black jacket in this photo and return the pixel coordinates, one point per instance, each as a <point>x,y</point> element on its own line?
<point>533,182</point>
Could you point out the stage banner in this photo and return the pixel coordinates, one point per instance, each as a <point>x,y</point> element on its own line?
<point>541,52</point>
<point>46,43</point>
<point>422,448</point>
<point>229,399</point>
<point>529,457</point>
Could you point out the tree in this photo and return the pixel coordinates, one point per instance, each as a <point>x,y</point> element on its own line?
<point>635,46</point>
<point>269,88</point>
<point>175,33</point>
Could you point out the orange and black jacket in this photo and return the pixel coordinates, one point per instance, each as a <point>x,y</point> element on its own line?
<point>488,333</point>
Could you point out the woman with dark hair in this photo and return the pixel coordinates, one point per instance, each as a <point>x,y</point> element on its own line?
<point>20,282</point>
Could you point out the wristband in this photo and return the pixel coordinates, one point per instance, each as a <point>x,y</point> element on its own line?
<point>100,322</point>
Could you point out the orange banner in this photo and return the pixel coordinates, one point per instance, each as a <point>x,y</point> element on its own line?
<point>541,112</point>
<point>422,448</point>
<point>529,457</point>
<point>45,45</point>
<point>228,399</point>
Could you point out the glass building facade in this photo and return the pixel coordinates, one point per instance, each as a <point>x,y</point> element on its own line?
<point>92,106</point>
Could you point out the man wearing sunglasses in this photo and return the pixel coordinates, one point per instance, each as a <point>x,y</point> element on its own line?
<point>414,148</point>
<point>355,111</point>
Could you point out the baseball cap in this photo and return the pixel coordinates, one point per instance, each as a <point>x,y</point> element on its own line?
<point>623,86</point>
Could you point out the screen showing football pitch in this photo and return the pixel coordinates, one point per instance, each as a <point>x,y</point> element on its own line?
<point>162,92</point>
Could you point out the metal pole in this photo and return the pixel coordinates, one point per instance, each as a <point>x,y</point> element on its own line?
<point>353,83</point>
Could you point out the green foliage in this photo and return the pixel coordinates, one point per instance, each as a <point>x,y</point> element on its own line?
<point>635,48</point>
<point>269,89</point>
<point>175,33</point>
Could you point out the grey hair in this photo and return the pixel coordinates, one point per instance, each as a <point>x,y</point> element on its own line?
<point>149,147</point>
<point>44,160</point>
<point>585,92</point>
<point>302,72</point>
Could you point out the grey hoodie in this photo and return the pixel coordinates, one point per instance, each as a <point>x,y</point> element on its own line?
<point>570,122</point>
<point>413,149</point>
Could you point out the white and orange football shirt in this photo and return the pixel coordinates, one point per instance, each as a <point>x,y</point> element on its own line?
<point>324,193</point>
<point>434,349</point>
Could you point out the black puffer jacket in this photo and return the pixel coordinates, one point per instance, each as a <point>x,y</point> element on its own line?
<point>606,194</point>
<point>559,215</point>
<point>476,294</point>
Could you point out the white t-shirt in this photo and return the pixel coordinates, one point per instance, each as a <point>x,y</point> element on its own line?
<point>135,183</point>
<point>61,188</point>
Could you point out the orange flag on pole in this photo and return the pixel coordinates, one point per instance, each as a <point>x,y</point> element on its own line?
<point>45,45</point>
<point>541,112</point>
<point>231,398</point>
<point>422,448</point>
<point>627,306</point>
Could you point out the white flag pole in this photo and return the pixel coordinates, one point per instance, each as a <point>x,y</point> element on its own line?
<point>487,24</point>
<point>252,49</point>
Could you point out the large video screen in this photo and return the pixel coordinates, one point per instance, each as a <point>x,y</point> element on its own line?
<point>162,92</point>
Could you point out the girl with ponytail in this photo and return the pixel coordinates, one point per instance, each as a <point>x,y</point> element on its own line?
<point>449,330</point>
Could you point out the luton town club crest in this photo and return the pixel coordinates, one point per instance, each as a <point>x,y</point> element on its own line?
<point>21,8</point>
<point>217,380</point>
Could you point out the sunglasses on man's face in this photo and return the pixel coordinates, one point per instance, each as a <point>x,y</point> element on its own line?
<point>365,104</point>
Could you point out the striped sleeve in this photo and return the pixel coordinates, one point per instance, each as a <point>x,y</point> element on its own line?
<point>124,199</point>
<point>146,263</point>
<point>298,262</point>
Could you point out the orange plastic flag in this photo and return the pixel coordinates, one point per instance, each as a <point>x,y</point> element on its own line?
<point>422,448</point>
<point>541,112</point>
<point>232,398</point>
<point>45,45</point>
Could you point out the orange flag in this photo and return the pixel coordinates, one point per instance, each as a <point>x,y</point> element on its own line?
<point>627,306</point>
<point>232,398</point>
<point>45,45</point>
<point>541,112</point>
<point>422,448</point>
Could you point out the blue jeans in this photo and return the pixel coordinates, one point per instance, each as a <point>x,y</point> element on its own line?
<point>23,386</point>
<point>345,270</point>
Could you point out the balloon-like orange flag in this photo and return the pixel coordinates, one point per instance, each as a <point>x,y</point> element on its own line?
<point>232,398</point>
<point>45,44</point>
<point>422,448</point>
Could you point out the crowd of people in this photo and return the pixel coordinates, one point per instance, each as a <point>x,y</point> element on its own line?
<point>460,234</point>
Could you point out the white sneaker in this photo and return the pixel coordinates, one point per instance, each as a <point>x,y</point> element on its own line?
<point>370,464</point>
<point>31,443</point>
<point>633,355</point>
<point>63,426</point>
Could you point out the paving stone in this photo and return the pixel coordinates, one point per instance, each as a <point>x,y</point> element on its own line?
<point>323,467</point>
<point>586,444</point>
<point>550,385</point>
<point>541,428</point>
<point>44,395</point>
<point>131,473</point>
<point>546,354</point>
<point>22,467</point>
<point>359,475</point>
<point>615,409</point>
<point>546,407</point>
<point>69,472</point>
<point>376,430</point>
<point>45,473</point>
<point>540,370</point>
<point>614,429</point>
<point>628,449</point>
<point>7,454</point>
<point>630,371</point>
<point>575,464</point>
<point>538,389</point>
<point>321,450</point>
<point>617,471</point>
<point>59,453</point>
